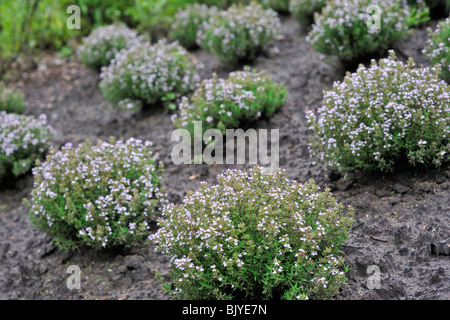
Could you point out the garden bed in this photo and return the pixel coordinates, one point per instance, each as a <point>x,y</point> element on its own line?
<point>401,220</point>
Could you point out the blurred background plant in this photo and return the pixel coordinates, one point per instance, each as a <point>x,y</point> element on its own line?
<point>27,27</point>
<point>438,8</point>
<point>342,28</point>
<point>437,49</point>
<point>104,42</point>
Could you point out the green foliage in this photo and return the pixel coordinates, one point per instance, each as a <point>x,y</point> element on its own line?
<point>303,10</point>
<point>12,101</point>
<point>381,115</point>
<point>239,32</point>
<point>104,42</point>
<point>98,196</point>
<point>225,104</point>
<point>187,22</point>
<point>281,6</point>
<point>223,4</point>
<point>23,139</point>
<point>255,236</point>
<point>149,74</point>
<point>437,49</point>
<point>342,28</point>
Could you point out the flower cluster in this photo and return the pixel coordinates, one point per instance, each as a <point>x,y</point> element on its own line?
<point>149,73</point>
<point>187,22</point>
<point>347,29</point>
<point>380,115</point>
<point>11,100</point>
<point>255,236</point>
<point>98,196</point>
<point>104,42</point>
<point>23,139</point>
<point>223,104</point>
<point>281,6</point>
<point>239,32</point>
<point>303,10</point>
<point>437,49</point>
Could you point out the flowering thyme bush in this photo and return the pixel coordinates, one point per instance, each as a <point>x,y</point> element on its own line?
<point>104,42</point>
<point>187,22</point>
<point>224,104</point>
<point>342,28</point>
<point>149,73</point>
<point>380,115</point>
<point>223,4</point>
<point>239,32</point>
<point>98,196</point>
<point>255,236</point>
<point>437,49</point>
<point>303,10</point>
<point>11,100</point>
<point>23,139</point>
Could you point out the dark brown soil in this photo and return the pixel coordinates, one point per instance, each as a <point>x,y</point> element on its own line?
<point>401,222</point>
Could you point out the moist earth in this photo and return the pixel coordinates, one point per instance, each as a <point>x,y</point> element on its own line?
<point>400,235</point>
